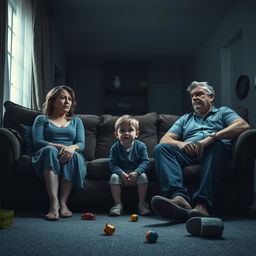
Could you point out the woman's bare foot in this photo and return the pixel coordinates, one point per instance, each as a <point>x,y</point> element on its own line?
<point>53,213</point>
<point>64,211</point>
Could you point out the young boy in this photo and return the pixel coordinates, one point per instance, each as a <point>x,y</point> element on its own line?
<point>128,162</point>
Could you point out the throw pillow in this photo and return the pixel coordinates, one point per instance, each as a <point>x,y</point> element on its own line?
<point>26,133</point>
<point>16,114</point>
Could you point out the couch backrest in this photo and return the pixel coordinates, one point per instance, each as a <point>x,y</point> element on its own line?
<point>15,115</point>
<point>106,138</point>
<point>91,123</point>
<point>164,123</point>
<point>99,130</point>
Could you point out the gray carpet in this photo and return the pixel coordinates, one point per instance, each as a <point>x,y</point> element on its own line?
<point>31,235</point>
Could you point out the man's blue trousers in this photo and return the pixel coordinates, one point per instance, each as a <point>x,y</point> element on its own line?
<point>170,160</point>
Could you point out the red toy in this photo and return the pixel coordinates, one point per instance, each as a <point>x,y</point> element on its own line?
<point>88,216</point>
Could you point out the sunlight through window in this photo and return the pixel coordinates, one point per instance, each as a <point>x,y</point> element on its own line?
<point>20,51</point>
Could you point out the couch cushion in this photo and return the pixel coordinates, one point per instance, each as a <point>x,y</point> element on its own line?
<point>106,138</point>
<point>151,172</point>
<point>148,131</point>
<point>26,133</point>
<point>15,115</point>
<point>24,166</point>
<point>98,169</point>
<point>242,112</point>
<point>164,123</point>
<point>90,123</point>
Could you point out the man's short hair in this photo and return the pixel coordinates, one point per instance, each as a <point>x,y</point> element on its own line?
<point>128,120</point>
<point>208,88</point>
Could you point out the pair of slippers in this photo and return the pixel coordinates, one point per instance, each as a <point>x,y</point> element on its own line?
<point>197,223</point>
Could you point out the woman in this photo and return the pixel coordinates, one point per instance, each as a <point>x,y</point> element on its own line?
<point>58,138</point>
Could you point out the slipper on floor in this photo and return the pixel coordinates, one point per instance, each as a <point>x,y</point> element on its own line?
<point>205,227</point>
<point>166,209</point>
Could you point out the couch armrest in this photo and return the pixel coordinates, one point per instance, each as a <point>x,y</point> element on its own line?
<point>244,163</point>
<point>10,151</point>
<point>245,144</point>
<point>10,144</point>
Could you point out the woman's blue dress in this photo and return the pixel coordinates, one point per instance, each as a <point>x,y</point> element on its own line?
<point>44,131</point>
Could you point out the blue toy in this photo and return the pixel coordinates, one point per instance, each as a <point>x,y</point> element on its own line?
<point>151,236</point>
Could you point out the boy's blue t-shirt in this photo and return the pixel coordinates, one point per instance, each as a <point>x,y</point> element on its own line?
<point>122,160</point>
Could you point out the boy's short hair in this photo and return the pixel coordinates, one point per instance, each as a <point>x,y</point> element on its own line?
<point>126,119</point>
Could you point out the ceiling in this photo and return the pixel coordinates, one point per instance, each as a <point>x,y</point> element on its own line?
<point>136,27</point>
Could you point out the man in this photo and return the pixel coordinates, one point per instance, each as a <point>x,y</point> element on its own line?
<point>203,137</point>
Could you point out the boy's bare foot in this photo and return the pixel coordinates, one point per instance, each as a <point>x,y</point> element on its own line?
<point>53,213</point>
<point>64,211</point>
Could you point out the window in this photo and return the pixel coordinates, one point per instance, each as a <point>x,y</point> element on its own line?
<point>12,26</point>
<point>20,51</point>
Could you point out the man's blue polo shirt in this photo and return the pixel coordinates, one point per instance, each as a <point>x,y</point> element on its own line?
<point>192,127</point>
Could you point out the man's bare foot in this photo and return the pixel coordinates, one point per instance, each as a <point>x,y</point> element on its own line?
<point>64,211</point>
<point>53,213</point>
<point>181,202</point>
<point>199,211</point>
<point>201,208</point>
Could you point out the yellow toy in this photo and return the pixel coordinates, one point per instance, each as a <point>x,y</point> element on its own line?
<point>134,217</point>
<point>109,229</point>
<point>6,218</point>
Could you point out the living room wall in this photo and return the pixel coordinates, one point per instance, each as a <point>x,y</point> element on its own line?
<point>59,58</point>
<point>235,31</point>
<point>164,84</point>
<point>235,35</point>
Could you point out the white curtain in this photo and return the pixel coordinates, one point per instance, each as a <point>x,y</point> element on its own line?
<point>3,56</point>
<point>21,78</point>
<point>42,54</point>
<point>6,92</point>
